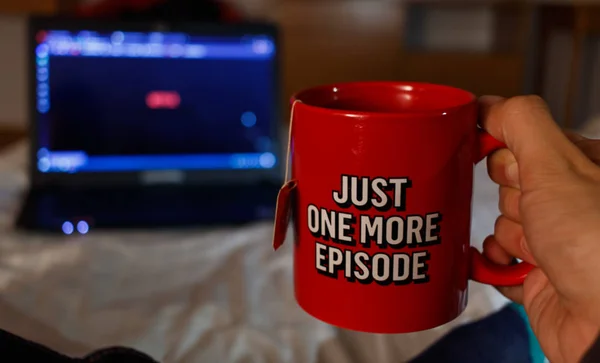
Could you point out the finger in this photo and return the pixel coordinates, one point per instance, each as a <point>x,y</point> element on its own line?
<point>513,293</point>
<point>537,287</point>
<point>495,253</point>
<point>526,126</point>
<point>503,168</point>
<point>509,235</point>
<point>508,203</point>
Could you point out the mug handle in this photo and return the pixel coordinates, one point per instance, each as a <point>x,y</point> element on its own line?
<point>482,269</point>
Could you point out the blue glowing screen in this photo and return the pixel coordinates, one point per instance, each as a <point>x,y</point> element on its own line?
<point>124,101</point>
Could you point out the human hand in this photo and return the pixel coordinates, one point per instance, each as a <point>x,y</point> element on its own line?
<point>550,217</point>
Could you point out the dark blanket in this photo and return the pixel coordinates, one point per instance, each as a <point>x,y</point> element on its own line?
<point>502,337</point>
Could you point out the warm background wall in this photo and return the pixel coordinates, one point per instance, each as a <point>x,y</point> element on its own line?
<point>341,40</point>
<point>12,71</point>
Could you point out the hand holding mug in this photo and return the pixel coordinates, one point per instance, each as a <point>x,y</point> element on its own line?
<point>550,203</point>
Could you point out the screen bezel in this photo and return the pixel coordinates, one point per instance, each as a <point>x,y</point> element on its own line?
<point>238,176</point>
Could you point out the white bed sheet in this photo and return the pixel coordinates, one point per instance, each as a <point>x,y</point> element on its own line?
<point>215,295</point>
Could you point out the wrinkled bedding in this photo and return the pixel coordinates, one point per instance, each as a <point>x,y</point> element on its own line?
<point>206,295</point>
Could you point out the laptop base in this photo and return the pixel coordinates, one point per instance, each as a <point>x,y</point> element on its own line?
<point>79,210</point>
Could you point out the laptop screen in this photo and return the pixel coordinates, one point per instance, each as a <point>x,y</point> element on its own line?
<point>130,101</point>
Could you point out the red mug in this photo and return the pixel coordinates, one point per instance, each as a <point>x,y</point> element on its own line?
<point>380,197</point>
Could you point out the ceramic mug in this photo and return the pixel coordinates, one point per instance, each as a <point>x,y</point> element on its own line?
<point>380,197</point>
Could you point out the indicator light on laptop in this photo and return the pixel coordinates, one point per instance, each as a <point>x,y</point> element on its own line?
<point>83,227</point>
<point>67,228</point>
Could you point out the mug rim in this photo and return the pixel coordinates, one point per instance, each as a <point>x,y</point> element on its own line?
<point>299,97</point>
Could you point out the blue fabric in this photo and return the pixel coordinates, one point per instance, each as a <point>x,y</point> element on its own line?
<point>502,337</point>
<point>535,350</point>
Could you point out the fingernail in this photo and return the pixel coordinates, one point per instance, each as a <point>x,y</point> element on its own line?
<point>512,173</point>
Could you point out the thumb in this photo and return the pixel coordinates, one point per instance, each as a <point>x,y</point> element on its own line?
<point>525,125</point>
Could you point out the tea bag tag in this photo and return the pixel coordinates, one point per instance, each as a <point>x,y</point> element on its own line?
<point>283,213</point>
<point>285,197</point>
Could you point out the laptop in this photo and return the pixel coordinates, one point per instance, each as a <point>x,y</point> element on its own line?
<point>151,125</point>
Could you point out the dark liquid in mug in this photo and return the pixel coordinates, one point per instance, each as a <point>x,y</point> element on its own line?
<point>362,105</point>
<point>387,98</point>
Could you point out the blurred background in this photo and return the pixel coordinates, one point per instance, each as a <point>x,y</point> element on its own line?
<point>486,46</point>
<point>220,294</point>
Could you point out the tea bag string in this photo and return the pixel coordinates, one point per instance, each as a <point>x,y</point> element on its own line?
<point>289,145</point>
